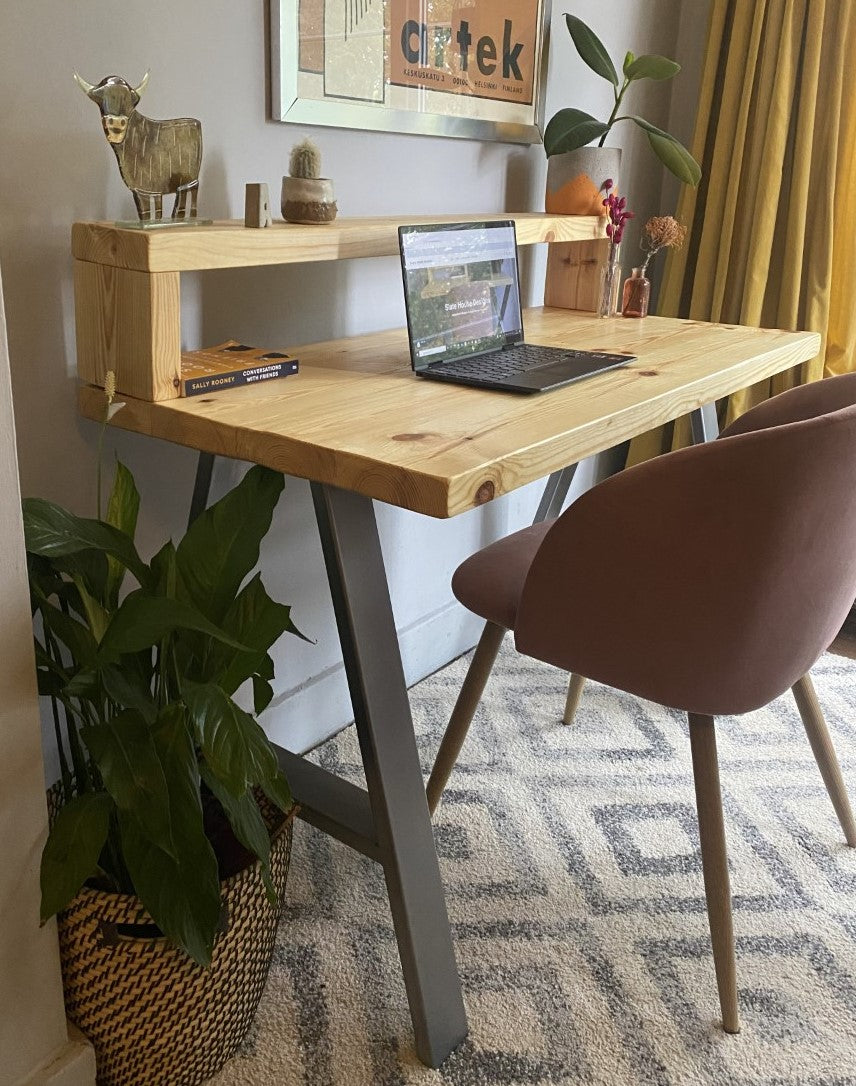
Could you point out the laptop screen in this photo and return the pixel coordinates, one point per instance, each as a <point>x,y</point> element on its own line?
<point>461,289</point>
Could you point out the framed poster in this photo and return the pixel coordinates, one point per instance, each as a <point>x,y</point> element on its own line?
<point>470,68</point>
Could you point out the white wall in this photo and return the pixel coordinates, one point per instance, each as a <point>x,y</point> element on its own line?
<point>208,60</point>
<point>34,1044</point>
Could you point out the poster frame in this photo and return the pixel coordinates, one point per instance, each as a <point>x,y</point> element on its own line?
<point>289,107</point>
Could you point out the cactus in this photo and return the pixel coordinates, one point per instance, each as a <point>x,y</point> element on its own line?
<point>305,160</point>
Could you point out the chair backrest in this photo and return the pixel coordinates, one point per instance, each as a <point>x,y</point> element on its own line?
<point>709,579</point>
<point>797,404</point>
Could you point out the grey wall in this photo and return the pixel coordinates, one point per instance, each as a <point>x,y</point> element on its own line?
<point>208,60</point>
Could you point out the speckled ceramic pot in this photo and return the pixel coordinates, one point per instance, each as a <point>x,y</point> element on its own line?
<point>308,199</point>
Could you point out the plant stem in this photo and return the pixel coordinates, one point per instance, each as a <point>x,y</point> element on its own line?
<point>101,433</point>
<point>115,865</point>
<point>64,771</point>
<point>612,117</point>
<point>81,775</point>
<point>174,660</point>
<point>98,472</point>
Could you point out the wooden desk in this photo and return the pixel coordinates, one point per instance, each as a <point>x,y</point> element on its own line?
<point>356,417</point>
<point>359,425</point>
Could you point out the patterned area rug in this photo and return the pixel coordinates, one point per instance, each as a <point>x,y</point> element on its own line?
<point>574,886</point>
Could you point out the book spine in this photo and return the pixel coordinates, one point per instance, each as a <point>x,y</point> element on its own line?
<point>195,386</point>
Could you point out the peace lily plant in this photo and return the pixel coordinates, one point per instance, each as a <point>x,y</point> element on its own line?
<point>141,685</point>
<point>571,129</point>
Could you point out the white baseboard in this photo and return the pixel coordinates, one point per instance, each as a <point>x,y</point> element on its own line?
<point>74,1065</point>
<point>321,707</point>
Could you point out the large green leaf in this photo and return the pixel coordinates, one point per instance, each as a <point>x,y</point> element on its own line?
<point>591,49</point>
<point>165,571</point>
<point>90,567</point>
<point>262,694</point>
<point>247,824</point>
<point>76,637</point>
<point>122,510</point>
<point>72,849</point>
<point>96,616</point>
<point>235,747</point>
<point>83,686</point>
<point>652,66</point>
<point>126,757</point>
<point>129,685</point>
<point>52,531</point>
<point>46,661</point>
<point>181,896</point>
<point>50,684</point>
<point>277,791</point>
<point>222,545</point>
<point>142,621</point>
<point>570,129</point>
<point>255,620</point>
<point>674,156</point>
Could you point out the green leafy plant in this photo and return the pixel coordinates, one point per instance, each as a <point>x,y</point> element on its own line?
<point>572,128</point>
<point>141,687</point>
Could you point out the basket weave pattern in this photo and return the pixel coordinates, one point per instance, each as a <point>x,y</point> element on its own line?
<point>154,1017</point>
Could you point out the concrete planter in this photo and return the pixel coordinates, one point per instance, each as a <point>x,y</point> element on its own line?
<point>575,180</point>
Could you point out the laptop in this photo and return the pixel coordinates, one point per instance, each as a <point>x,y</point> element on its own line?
<point>464,317</point>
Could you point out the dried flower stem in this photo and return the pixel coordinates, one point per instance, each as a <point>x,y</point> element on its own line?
<point>661,232</point>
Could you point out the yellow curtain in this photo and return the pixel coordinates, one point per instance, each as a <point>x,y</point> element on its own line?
<point>772,226</point>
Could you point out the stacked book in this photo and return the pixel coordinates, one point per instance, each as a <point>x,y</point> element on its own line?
<point>231,364</point>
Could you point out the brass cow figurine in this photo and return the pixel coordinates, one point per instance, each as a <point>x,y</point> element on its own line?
<point>155,157</point>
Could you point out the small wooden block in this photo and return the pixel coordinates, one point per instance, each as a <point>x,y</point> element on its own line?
<point>257,205</point>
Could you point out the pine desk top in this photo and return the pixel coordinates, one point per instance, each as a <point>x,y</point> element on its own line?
<point>356,417</point>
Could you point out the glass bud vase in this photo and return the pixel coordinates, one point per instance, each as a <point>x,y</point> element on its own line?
<point>610,283</point>
<point>637,293</point>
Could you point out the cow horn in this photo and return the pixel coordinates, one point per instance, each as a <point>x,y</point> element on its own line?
<point>87,88</point>
<point>139,90</point>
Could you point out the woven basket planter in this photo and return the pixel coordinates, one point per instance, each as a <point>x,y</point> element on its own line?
<point>154,1017</point>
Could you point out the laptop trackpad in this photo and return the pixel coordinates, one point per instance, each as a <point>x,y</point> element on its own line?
<point>562,372</point>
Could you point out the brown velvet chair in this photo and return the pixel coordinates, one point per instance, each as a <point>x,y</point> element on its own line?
<point>708,580</point>
<point>801,403</point>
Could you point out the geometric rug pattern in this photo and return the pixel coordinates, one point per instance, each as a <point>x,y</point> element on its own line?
<point>573,882</point>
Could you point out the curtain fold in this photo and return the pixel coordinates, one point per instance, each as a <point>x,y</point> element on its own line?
<point>772,226</point>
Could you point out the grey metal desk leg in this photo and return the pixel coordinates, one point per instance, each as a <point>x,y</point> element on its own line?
<point>201,486</point>
<point>704,423</point>
<point>370,649</point>
<point>555,491</point>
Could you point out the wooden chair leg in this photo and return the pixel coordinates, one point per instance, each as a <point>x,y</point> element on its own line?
<point>824,754</point>
<point>462,714</point>
<point>714,860</point>
<point>575,690</point>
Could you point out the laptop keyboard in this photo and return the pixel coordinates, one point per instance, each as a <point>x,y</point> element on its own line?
<point>518,359</point>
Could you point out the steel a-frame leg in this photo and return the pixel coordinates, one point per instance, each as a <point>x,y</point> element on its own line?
<point>396,794</point>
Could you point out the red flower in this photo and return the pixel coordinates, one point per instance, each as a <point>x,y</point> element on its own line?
<point>618,215</point>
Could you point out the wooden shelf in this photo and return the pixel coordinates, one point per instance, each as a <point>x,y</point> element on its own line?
<point>128,291</point>
<point>232,245</point>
